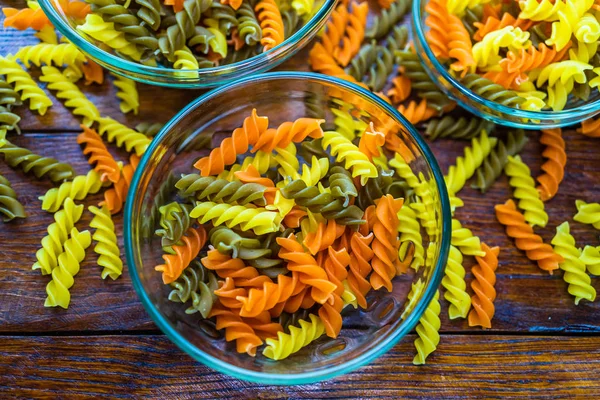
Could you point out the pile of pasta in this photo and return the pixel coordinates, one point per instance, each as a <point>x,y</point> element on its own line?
<point>289,218</point>
<point>180,34</point>
<point>532,55</point>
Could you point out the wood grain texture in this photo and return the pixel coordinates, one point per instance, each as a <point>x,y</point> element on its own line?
<point>152,367</point>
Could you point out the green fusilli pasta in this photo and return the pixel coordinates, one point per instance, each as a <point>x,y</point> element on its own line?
<point>20,157</point>
<point>197,284</point>
<point>384,22</point>
<point>10,206</point>
<point>464,128</point>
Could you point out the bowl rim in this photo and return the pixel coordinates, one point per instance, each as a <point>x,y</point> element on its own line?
<point>426,55</point>
<point>328,373</point>
<point>268,57</point>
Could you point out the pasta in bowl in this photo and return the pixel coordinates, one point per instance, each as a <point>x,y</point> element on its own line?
<point>523,64</point>
<point>188,43</point>
<point>302,222</point>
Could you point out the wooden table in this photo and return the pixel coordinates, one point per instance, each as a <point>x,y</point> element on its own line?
<point>106,345</point>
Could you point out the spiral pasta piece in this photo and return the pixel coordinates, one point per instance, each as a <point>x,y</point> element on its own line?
<point>269,295</point>
<point>464,239</point>
<point>437,21</point>
<point>77,189</point>
<point>401,89</point>
<point>417,112</point>
<point>492,23</point>
<point>326,233</point>
<point>24,85</point>
<point>524,190</point>
<point>183,27</point>
<point>289,132</point>
<point>123,136</point>
<point>106,165</point>
<point>239,142</point>
<point>258,219</point>
<point>554,166</point>
<point>221,190</point>
<point>25,18</point>
<point>345,151</point>
<point>107,247</point>
<point>460,47</point>
<point>50,54</point>
<point>457,128</point>
<point>492,91</point>
<point>58,233</point>
<point>174,265</point>
<point>387,19</point>
<point>73,97</point>
<point>197,284</point>
<point>355,33</point>
<point>370,142</point>
<point>20,157</point>
<point>494,163</point>
<point>410,234</point>
<point>114,198</point>
<point>68,266</point>
<point>588,213</point>
<point>93,73</point>
<point>591,258</point>
<point>385,244</point>
<point>467,164</point>
<point>360,266</point>
<point>248,25</point>
<point>287,344</point>
<point>487,51</point>
<point>590,127</point>
<point>310,273</point>
<point>455,285</point>
<point>574,268</point>
<point>128,94</point>
<point>105,32</point>
<point>532,244</point>
<point>483,287</point>
<point>237,330</point>
<point>10,206</point>
<point>335,28</point>
<point>428,331</point>
<point>269,16</point>
<point>322,61</point>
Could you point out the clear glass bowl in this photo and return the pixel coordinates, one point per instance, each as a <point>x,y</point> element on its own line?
<point>206,77</point>
<point>575,111</point>
<point>281,96</point>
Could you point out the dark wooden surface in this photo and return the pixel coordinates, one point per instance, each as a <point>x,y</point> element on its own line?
<point>105,344</point>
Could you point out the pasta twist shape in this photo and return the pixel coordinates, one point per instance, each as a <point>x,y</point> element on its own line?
<point>467,163</point>
<point>345,151</point>
<point>587,29</point>
<point>564,72</point>
<point>590,127</point>
<point>73,97</point>
<point>24,18</point>
<point>437,21</point>
<point>326,234</point>
<point>77,189</point>
<point>464,239</point>
<point>107,247</point>
<point>246,339</point>
<point>428,331</point>
<point>588,213</point>
<point>149,12</point>
<point>23,158</point>
<point>106,165</point>
<point>526,60</point>
<point>554,166</point>
<point>50,54</point>
<point>10,206</point>
<point>128,94</point>
<point>331,317</point>
<point>457,128</point>
<point>494,163</point>
<point>239,142</point>
<point>486,52</point>
<point>570,19</point>
<point>68,266</point>
<point>370,142</point>
<point>492,91</point>
<point>355,33</point>
<point>525,239</point>
<point>385,244</point>
<point>580,285</point>
<point>335,29</point>
<point>58,233</point>
<point>123,136</point>
<point>492,23</point>
<point>198,284</point>
<point>524,190</point>
<point>93,73</point>
<point>258,219</point>
<point>360,63</point>
<point>310,273</point>
<point>540,10</point>
<point>114,198</point>
<point>287,344</point>
<point>24,85</point>
<point>455,285</point>
<point>193,241</point>
<point>360,266</point>
<point>247,24</point>
<point>402,86</point>
<point>289,132</point>
<point>184,27</point>
<point>483,287</point>
<point>268,295</point>
<point>175,221</point>
<point>322,61</point>
<point>591,258</point>
<point>460,47</point>
<point>221,190</point>
<point>387,19</point>
<point>269,16</point>
<point>381,68</point>
<point>410,233</point>
<point>105,32</point>
<point>341,185</point>
<point>417,112</point>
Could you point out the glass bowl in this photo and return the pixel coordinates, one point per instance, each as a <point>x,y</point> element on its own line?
<point>282,96</point>
<point>206,77</point>
<point>575,111</point>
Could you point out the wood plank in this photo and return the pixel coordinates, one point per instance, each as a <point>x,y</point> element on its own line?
<point>528,299</point>
<point>151,366</point>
